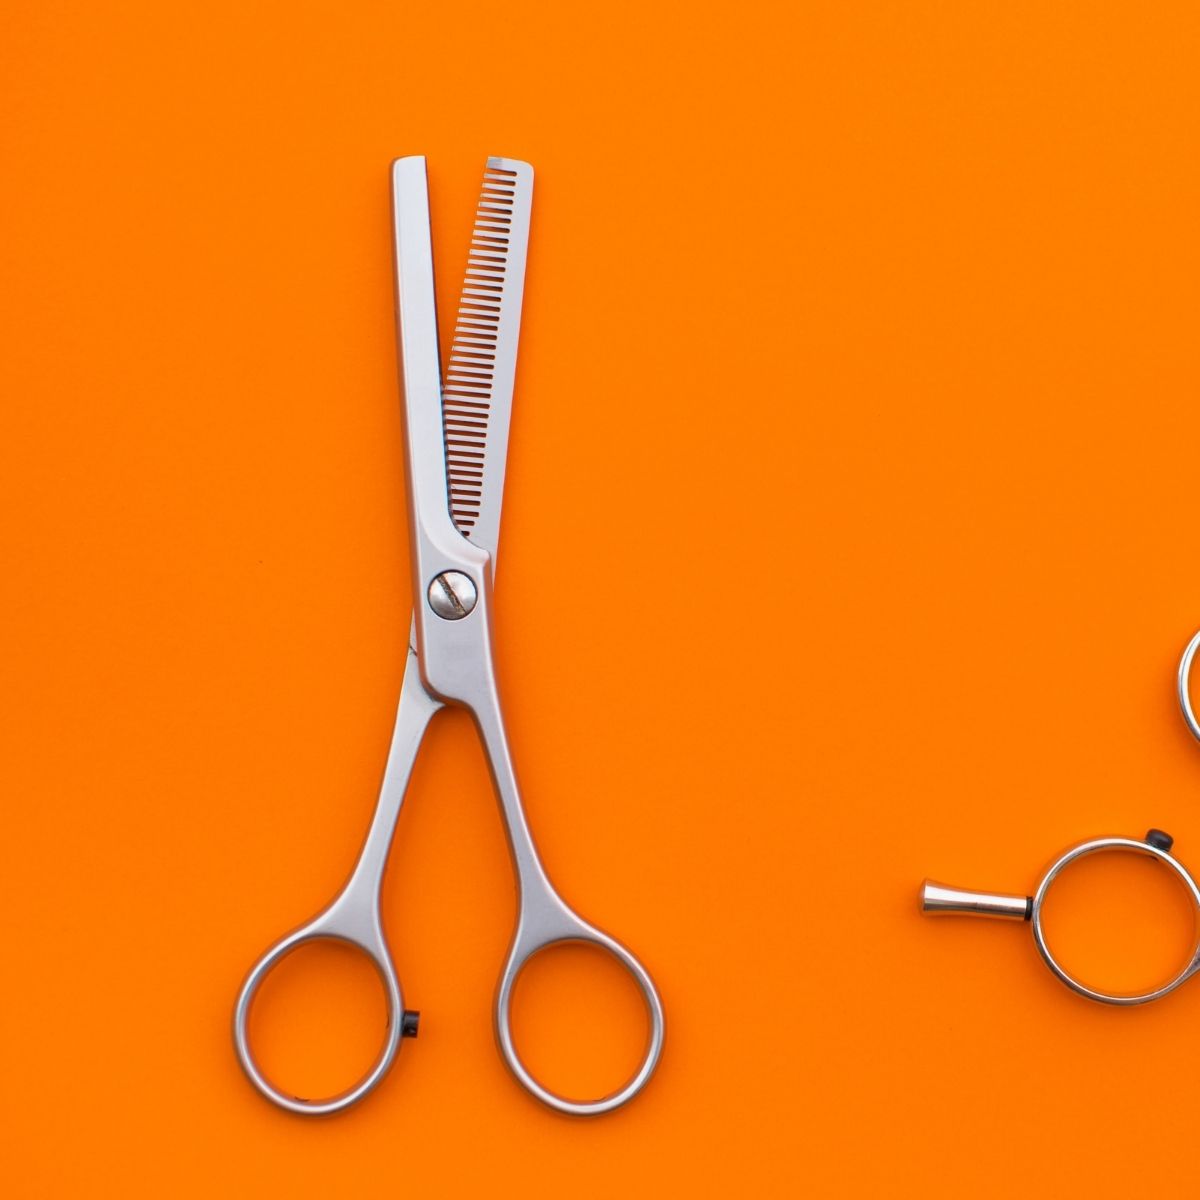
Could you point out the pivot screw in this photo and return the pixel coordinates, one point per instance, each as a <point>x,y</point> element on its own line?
<point>1160,841</point>
<point>452,595</point>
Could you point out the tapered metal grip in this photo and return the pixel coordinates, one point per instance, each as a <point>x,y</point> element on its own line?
<point>938,900</point>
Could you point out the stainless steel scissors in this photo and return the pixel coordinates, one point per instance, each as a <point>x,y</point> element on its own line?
<point>939,900</point>
<point>456,437</point>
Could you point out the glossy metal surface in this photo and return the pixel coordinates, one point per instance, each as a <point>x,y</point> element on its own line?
<point>450,657</point>
<point>452,595</point>
<point>1099,846</point>
<point>937,898</point>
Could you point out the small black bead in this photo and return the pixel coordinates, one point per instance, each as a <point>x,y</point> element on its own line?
<point>1159,840</point>
<point>409,1022</point>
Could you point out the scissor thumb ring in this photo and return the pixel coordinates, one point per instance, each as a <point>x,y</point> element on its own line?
<point>939,900</point>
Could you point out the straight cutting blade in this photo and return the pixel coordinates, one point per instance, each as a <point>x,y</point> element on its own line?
<point>478,388</point>
<point>416,313</point>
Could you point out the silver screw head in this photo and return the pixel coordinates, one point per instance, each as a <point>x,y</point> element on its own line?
<point>452,595</point>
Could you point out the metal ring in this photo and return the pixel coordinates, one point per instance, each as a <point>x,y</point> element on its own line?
<point>318,930</point>
<point>589,936</point>
<point>1096,846</point>
<point>1182,681</point>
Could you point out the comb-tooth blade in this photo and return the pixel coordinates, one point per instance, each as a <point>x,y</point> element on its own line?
<point>478,386</point>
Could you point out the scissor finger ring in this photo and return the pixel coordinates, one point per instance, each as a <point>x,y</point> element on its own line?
<point>938,900</point>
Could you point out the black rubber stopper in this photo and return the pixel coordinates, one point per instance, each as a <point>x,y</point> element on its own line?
<point>1159,840</point>
<point>409,1023</point>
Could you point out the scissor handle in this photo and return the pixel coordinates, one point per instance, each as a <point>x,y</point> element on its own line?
<point>337,923</point>
<point>938,899</point>
<point>1157,845</point>
<point>549,922</point>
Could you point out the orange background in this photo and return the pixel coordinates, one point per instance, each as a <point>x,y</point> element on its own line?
<point>850,537</point>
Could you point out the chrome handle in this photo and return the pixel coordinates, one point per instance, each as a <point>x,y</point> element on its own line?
<point>938,900</point>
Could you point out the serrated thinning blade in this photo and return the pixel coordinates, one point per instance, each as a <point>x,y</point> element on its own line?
<point>478,387</point>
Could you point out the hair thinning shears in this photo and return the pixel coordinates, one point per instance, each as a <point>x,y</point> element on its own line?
<point>456,438</point>
<point>939,900</point>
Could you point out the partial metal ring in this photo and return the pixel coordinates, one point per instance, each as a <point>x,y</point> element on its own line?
<point>1182,680</point>
<point>1098,846</point>
<point>939,900</point>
